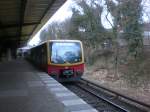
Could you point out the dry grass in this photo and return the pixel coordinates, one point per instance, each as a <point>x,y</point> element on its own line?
<point>133,78</point>
<point>120,85</point>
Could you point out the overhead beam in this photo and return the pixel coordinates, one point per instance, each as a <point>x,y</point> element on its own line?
<point>14,39</point>
<point>13,36</point>
<point>21,18</point>
<point>18,25</point>
<point>6,42</point>
<point>45,12</point>
<point>3,30</point>
<point>22,12</point>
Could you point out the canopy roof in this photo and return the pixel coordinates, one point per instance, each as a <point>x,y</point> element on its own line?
<point>20,19</point>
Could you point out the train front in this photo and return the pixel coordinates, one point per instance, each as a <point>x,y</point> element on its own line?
<point>66,60</point>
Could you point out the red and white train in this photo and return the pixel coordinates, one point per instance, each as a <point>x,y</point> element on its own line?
<point>61,59</point>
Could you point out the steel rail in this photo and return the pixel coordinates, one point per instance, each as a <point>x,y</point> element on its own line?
<point>116,93</point>
<point>103,98</point>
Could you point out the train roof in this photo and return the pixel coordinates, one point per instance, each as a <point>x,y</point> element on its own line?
<point>56,41</point>
<point>63,41</point>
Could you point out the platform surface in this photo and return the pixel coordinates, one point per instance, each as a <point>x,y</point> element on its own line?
<point>21,89</point>
<point>25,89</point>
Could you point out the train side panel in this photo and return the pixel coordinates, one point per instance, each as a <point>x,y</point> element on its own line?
<point>38,56</point>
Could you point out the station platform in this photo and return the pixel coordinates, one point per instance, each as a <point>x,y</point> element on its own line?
<point>25,89</point>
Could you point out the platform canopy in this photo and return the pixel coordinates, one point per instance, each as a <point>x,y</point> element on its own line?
<point>20,19</point>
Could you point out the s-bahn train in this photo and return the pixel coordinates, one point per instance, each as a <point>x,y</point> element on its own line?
<point>61,59</point>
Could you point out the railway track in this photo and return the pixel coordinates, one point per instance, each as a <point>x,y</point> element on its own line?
<point>105,100</point>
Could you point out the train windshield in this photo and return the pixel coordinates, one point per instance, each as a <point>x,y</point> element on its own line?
<point>66,52</point>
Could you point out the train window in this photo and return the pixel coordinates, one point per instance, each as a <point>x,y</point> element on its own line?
<point>65,52</point>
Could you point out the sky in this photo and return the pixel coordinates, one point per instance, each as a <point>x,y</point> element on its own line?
<point>65,12</point>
